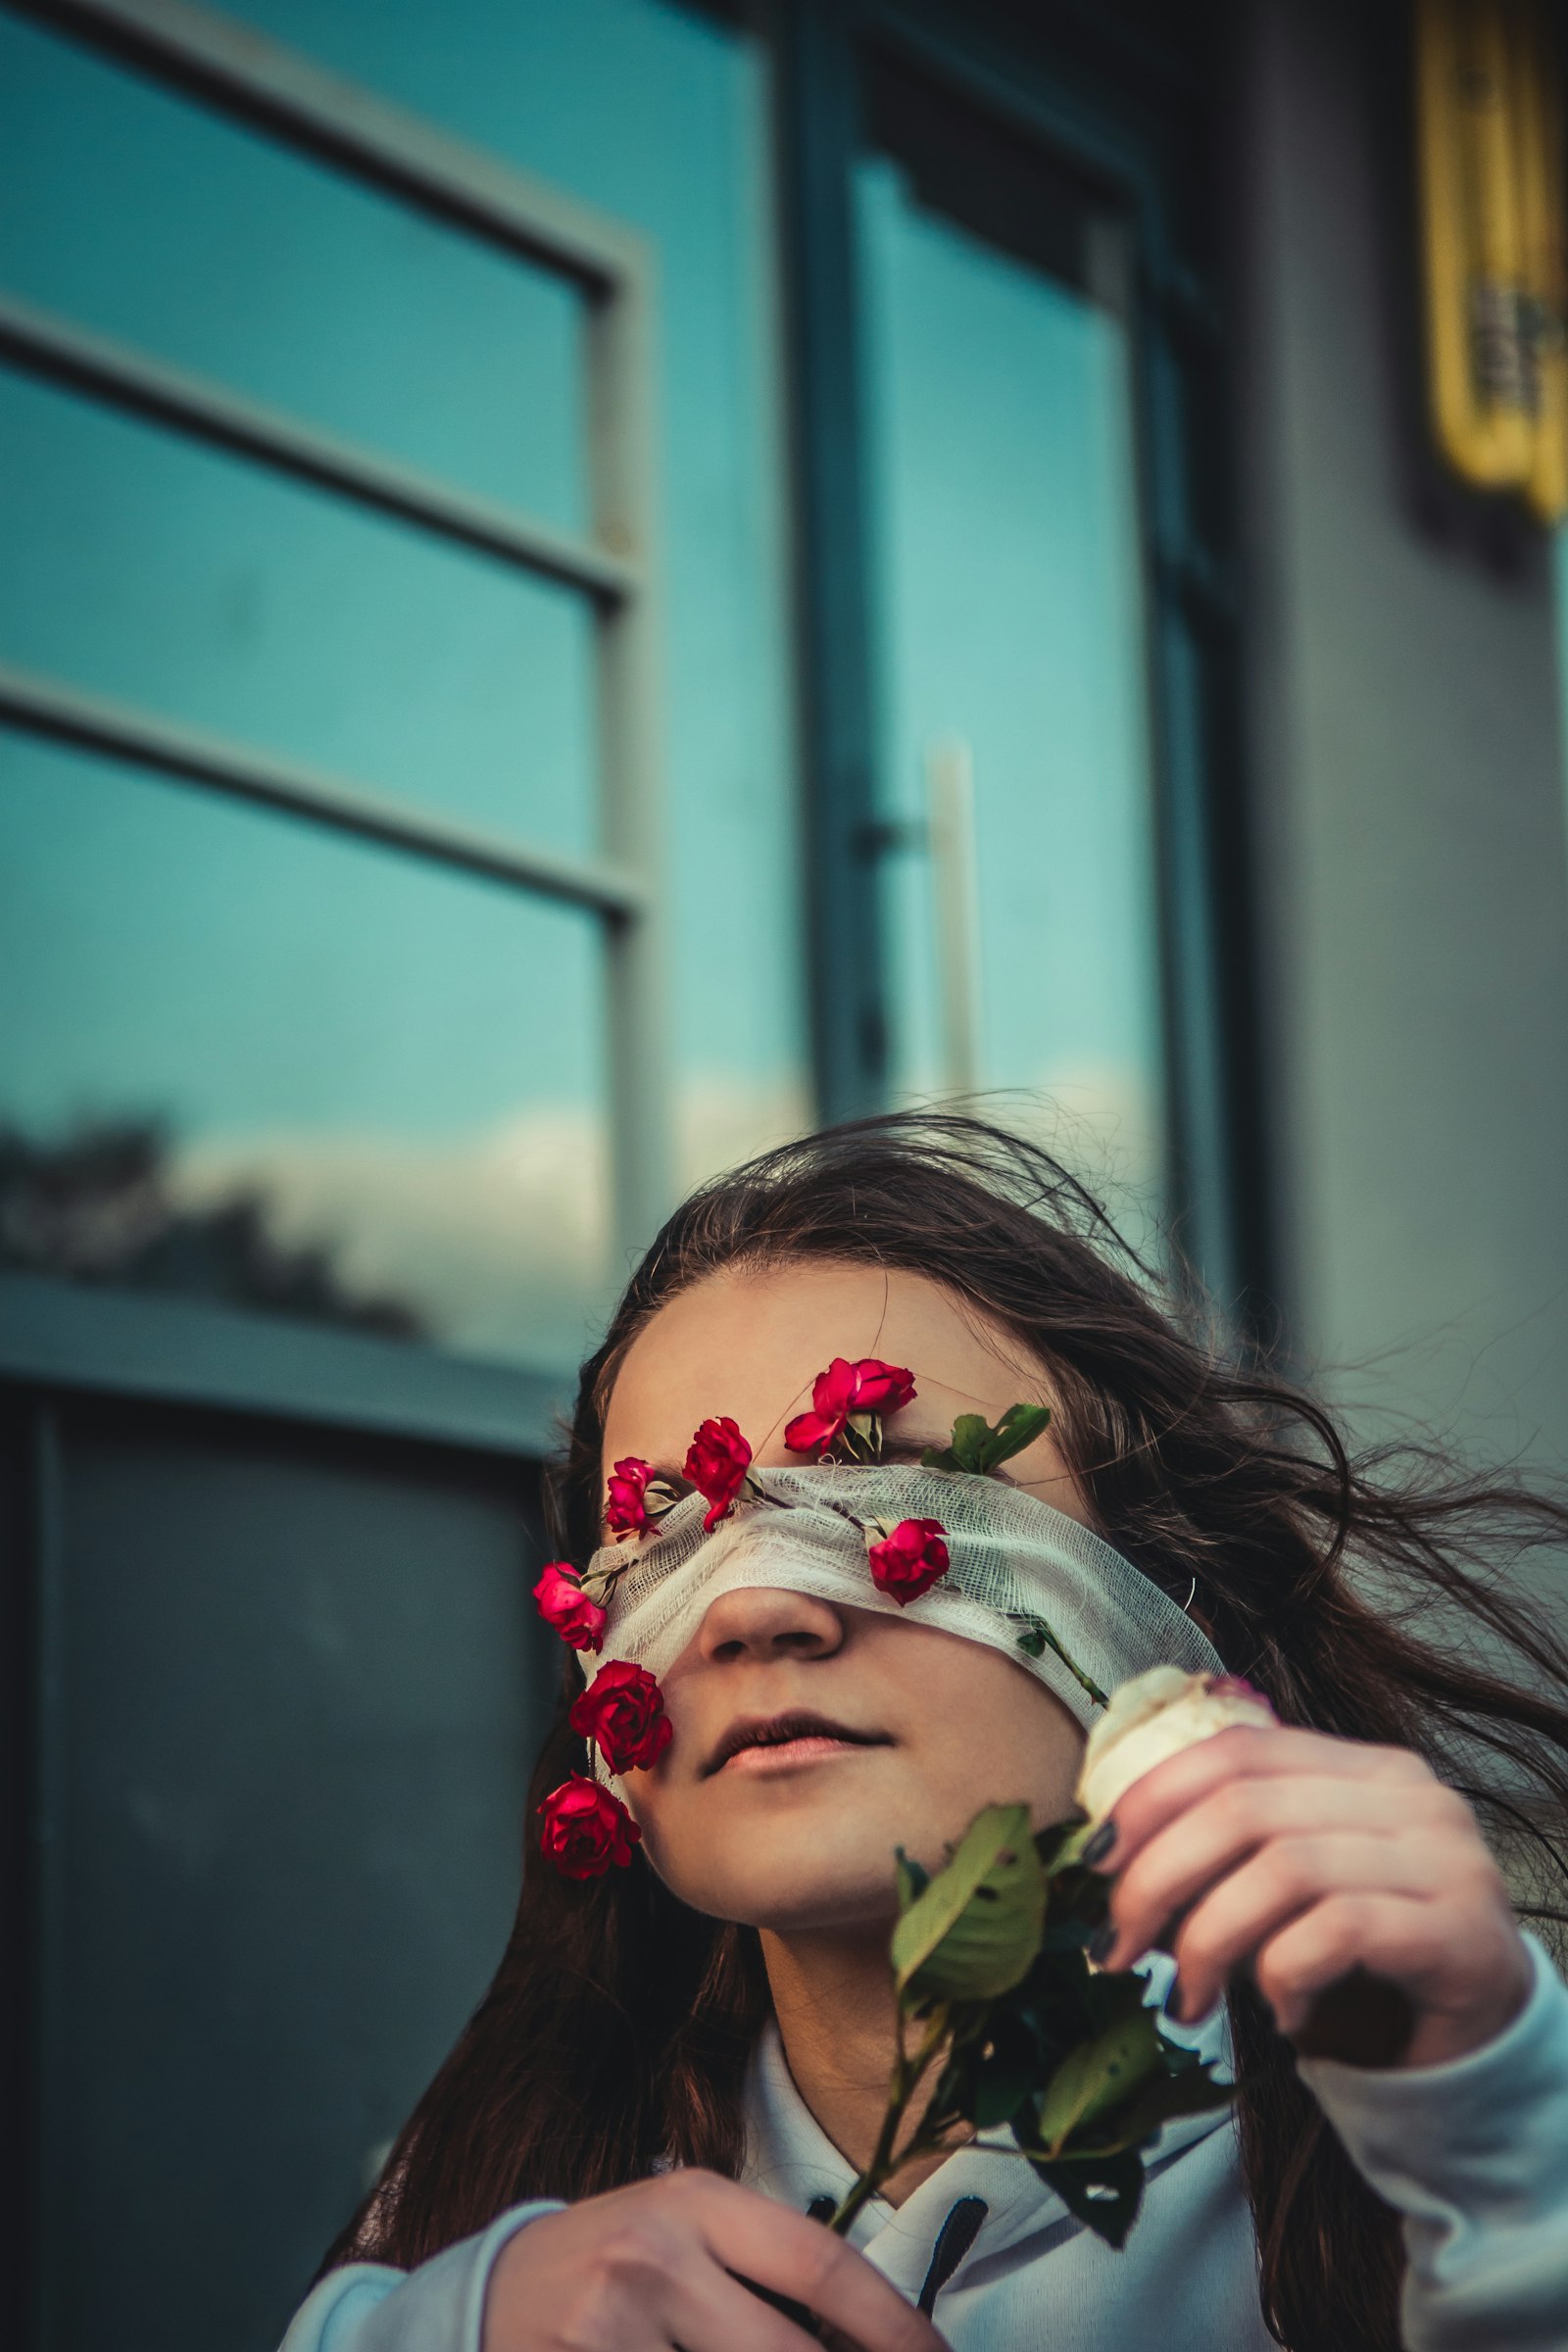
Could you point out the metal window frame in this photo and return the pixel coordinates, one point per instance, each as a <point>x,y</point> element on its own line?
<point>234,71</point>
<point>1080,114</point>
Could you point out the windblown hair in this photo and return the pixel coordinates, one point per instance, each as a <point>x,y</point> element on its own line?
<point>1370,1593</point>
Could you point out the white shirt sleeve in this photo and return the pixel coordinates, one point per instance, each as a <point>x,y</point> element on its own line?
<point>1474,2157</point>
<point>369,2307</point>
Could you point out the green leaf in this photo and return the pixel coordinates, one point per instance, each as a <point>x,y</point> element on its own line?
<point>1104,2193</point>
<point>976,1927</point>
<point>978,1448</point>
<point>1098,2076</point>
<point>1018,1427</point>
<point>963,1449</point>
<point>1164,2098</point>
<point>1037,1637</point>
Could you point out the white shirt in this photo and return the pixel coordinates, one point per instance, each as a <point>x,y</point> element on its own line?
<point>1473,2155</point>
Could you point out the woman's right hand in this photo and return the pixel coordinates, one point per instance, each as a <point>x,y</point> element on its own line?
<point>654,2266</point>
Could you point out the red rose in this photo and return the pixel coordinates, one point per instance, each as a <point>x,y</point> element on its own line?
<point>623,1710</point>
<point>638,1499</point>
<point>910,1560</point>
<point>585,1829</point>
<point>565,1605</point>
<point>848,1394</point>
<point>716,1466</point>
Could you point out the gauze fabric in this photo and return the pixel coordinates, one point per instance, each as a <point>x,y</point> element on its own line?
<point>1010,1558</point>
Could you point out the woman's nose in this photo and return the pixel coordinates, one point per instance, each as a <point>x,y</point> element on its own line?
<point>763,1622</point>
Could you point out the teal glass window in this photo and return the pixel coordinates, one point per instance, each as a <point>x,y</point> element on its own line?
<point>139,214</point>
<point>199,583</point>
<point>221,595</point>
<point>247,1060</point>
<point>1010,647</point>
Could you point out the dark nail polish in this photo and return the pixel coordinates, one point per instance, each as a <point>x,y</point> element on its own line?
<point>1100,1843</point>
<point>1102,1942</point>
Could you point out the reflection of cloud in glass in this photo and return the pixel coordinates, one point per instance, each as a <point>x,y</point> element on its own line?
<point>493,1243</point>
<point>497,1241</point>
<point>103,1204</point>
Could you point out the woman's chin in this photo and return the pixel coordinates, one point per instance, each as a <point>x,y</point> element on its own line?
<point>803,1878</point>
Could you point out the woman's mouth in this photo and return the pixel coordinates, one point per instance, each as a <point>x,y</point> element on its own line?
<point>782,1743</point>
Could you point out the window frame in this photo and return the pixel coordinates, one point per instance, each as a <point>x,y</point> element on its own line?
<point>234,70</point>
<point>1113,111</point>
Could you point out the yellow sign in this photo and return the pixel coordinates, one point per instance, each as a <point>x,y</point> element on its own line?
<point>1489,89</point>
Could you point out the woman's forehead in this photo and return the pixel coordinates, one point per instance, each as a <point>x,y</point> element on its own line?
<point>749,1343</point>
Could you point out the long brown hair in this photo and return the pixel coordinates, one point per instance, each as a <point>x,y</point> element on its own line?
<point>1360,1590</point>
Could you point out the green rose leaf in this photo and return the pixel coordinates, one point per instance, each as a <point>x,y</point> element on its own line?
<point>974,1932</point>
<point>1188,2090</point>
<point>978,1448</point>
<point>1103,2191</point>
<point>1018,1427</point>
<point>962,1449</point>
<point>1100,2074</point>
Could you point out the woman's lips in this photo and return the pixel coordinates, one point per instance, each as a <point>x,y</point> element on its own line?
<point>785,1755</point>
<point>795,1735</point>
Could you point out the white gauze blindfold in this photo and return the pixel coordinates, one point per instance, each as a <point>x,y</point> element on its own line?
<point>1012,1558</point>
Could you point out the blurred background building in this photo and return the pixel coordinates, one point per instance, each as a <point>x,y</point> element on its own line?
<point>587,582</point>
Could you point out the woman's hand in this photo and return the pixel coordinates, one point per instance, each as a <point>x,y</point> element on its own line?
<point>1297,1858</point>
<point>654,2266</point>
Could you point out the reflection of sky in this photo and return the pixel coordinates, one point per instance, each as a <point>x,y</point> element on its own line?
<point>1009,556</point>
<point>658,117</point>
<point>246,973</point>
<point>248,976</point>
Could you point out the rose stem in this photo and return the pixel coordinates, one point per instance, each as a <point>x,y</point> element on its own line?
<point>906,2077</point>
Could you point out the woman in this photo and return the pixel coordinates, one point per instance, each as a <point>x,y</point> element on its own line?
<point>683,2060</point>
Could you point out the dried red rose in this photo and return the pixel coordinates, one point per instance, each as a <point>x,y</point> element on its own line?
<point>848,1399</point>
<point>623,1710</point>
<point>638,1499</point>
<point>910,1559</point>
<point>584,1829</point>
<point>566,1607</point>
<point>716,1466</point>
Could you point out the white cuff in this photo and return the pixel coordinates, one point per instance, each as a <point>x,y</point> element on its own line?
<point>368,2307</point>
<point>1473,2156</point>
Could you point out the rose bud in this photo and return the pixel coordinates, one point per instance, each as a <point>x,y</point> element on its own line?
<point>637,1499</point>
<point>584,1829</point>
<point>849,1397</point>
<point>716,1466</point>
<point>565,1606</point>
<point>911,1559</point>
<point>1157,1715</point>
<point>622,1711</point>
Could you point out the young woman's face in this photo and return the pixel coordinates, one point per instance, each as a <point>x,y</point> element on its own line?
<point>800,1835</point>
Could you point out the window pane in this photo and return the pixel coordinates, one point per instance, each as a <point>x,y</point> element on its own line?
<point>658,114</point>
<point>249,1060</point>
<point>142,216</point>
<point>1011,623</point>
<point>147,567</point>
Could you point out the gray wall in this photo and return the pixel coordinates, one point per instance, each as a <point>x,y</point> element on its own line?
<point>1409,767</point>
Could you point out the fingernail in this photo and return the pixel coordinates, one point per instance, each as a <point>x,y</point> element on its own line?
<point>1100,1843</point>
<point>1102,1942</point>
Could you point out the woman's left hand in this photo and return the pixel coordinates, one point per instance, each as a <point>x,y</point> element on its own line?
<point>1299,1857</point>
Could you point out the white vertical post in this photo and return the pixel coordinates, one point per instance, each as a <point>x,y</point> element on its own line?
<point>955,895</point>
<point>622,425</point>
